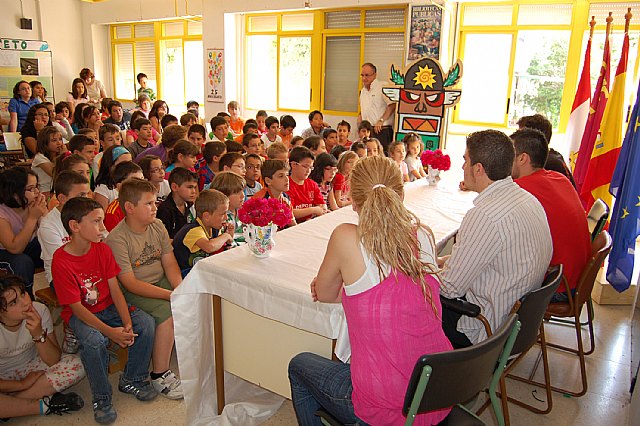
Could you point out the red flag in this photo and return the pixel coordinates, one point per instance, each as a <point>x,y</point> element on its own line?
<point>596,111</point>
<point>580,109</point>
<point>608,141</point>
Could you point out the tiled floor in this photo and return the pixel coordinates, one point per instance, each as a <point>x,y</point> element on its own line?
<point>606,402</point>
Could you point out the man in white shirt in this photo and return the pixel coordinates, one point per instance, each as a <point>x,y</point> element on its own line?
<point>503,247</point>
<point>375,107</point>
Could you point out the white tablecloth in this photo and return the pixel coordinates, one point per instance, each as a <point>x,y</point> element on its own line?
<point>278,288</point>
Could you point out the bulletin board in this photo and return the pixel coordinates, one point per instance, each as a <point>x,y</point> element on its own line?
<point>24,60</point>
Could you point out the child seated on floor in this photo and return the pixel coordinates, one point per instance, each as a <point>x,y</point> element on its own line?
<point>206,235</point>
<point>109,135</point>
<point>123,171</point>
<point>364,131</point>
<point>278,151</point>
<point>344,129</point>
<point>85,275</point>
<point>177,210</point>
<point>374,148</point>
<point>106,190</point>
<point>33,371</point>
<point>252,144</point>
<point>360,149</point>
<point>233,162</point>
<point>218,129</point>
<point>296,141</point>
<point>275,174</point>
<point>153,171</point>
<point>397,153</point>
<point>236,122</point>
<point>287,125</point>
<point>250,126</point>
<point>306,198</point>
<point>341,182</point>
<point>261,117</point>
<point>212,153</point>
<point>253,164</point>
<point>324,170</point>
<point>48,148</point>
<point>232,185</point>
<point>197,135</point>
<point>142,128</point>
<point>330,137</point>
<point>85,147</point>
<point>182,155</point>
<point>148,273</point>
<point>315,144</point>
<point>413,144</point>
<point>51,233</point>
<point>272,136</point>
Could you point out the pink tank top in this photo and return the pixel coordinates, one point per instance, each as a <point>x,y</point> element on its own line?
<point>390,326</point>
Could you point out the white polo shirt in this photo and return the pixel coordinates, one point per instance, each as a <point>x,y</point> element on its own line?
<point>373,103</point>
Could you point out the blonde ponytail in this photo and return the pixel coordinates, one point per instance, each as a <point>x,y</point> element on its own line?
<point>386,229</point>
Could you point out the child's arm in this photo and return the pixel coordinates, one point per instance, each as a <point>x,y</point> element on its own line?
<point>102,200</point>
<point>422,172</point>
<point>171,269</point>
<point>214,244</point>
<point>10,386</point>
<point>141,288</point>
<point>333,205</point>
<point>117,334</point>
<point>415,173</point>
<point>49,351</point>
<point>307,211</point>
<point>47,167</point>
<point>405,177</point>
<point>337,195</point>
<point>120,303</point>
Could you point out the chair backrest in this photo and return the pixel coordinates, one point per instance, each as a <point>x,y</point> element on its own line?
<point>533,306</point>
<point>600,248</point>
<point>597,217</point>
<point>459,375</point>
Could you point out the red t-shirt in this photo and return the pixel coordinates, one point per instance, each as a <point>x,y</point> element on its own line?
<point>567,221</point>
<point>84,278</point>
<point>113,215</point>
<point>306,195</point>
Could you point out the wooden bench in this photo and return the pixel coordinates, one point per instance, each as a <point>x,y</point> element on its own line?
<point>117,356</point>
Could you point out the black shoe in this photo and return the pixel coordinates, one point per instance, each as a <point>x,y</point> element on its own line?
<point>63,403</point>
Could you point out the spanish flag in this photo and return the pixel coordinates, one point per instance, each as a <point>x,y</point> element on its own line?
<point>596,112</point>
<point>580,109</point>
<point>608,140</point>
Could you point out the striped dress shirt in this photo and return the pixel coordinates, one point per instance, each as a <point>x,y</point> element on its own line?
<point>502,251</point>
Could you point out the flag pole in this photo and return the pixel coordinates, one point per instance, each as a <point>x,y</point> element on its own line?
<point>592,24</point>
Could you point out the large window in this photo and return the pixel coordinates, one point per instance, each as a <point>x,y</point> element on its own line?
<point>525,57</point>
<point>278,61</point>
<point>170,53</point>
<point>311,60</point>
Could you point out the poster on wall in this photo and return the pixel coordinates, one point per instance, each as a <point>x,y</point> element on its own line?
<point>424,32</point>
<point>215,88</point>
<point>24,60</point>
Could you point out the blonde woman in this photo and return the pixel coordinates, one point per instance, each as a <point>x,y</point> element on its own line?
<point>383,272</point>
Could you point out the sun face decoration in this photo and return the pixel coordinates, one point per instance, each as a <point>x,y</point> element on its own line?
<point>425,77</point>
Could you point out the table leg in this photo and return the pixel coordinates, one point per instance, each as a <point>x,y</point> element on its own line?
<point>218,354</point>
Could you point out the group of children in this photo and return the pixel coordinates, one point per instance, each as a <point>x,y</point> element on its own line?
<point>121,222</point>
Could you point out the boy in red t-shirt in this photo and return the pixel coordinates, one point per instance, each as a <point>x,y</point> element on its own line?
<point>84,274</point>
<point>306,198</point>
<point>123,171</point>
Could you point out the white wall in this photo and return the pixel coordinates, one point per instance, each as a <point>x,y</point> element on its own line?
<point>58,23</point>
<point>222,26</point>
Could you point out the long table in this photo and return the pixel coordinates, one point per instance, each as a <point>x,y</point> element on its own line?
<point>261,313</point>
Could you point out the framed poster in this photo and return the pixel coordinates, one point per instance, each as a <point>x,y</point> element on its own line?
<point>215,81</point>
<point>425,30</point>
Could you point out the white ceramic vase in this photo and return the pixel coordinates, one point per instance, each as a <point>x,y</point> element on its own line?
<point>432,176</point>
<point>260,239</point>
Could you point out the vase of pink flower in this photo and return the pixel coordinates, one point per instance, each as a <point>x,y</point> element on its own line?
<point>434,162</point>
<point>262,218</point>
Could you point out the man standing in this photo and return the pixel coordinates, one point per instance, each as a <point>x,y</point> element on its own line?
<point>503,246</point>
<point>565,214</point>
<point>375,107</point>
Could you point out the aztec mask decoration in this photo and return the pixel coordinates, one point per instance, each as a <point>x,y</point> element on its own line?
<point>422,94</point>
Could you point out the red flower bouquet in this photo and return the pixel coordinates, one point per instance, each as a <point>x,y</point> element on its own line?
<point>263,211</point>
<point>436,159</point>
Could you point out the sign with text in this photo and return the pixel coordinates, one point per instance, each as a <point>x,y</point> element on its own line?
<point>215,81</point>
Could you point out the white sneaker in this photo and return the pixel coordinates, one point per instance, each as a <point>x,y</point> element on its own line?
<point>70,343</point>
<point>168,385</point>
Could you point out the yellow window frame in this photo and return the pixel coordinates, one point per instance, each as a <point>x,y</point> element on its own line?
<point>158,37</point>
<point>579,24</point>
<point>318,54</point>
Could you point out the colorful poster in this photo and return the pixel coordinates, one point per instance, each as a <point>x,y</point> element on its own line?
<point>215,83</point>
<point>425,32</point>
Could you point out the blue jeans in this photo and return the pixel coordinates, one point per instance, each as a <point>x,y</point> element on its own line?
<point>94,355</point>
<point>319,382</point>
<point>23,264</point>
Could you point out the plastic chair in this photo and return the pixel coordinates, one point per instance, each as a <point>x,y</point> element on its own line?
<point>446,379</point>
<point>600,248</point>
<point>531,309</point>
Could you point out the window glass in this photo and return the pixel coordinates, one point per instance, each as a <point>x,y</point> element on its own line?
<point>295,73</point>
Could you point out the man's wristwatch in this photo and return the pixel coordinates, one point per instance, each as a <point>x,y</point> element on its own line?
<point>42,338</point>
